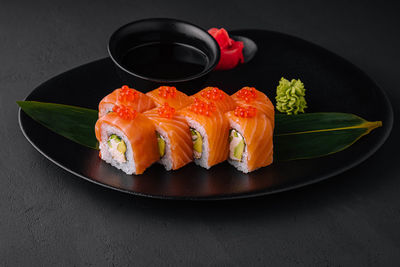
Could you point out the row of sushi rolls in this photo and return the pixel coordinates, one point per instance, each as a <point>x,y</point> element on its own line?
<point>165,125</point>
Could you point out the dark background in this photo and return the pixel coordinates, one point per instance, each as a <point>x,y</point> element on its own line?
<point>50,217</point>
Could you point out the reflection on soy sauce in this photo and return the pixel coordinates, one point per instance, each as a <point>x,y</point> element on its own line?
<point>165,60</point>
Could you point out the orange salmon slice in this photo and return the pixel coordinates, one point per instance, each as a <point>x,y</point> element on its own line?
<point>216,127</point>
<point>140,102</point>
<point>167,94</point>
<point>222,100</point>
<point>257,132</point>
<point>176,130</point>
<point>141,134</point>
<point>249,96</point>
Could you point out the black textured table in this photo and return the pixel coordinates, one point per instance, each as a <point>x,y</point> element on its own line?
<point>51,218</point>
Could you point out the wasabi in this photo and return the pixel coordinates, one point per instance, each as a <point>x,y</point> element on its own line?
<point>290,97</point>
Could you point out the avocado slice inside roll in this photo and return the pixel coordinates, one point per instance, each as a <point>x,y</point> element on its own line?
<point>236,145</point>
<point>117,148</point>
<point>161,144</point>
<point>197,140</point>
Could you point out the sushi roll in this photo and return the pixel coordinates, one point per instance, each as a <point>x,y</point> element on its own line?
<point>250,139</point>
<point>127,140</point>
<point>249,96</point>
<point>221,99</point>
<point>128,97</point>
<point>173,137</point>
<point>209,130</point>
<point>168,94</point>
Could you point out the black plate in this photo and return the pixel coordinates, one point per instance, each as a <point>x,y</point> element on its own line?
<point>332,83</point>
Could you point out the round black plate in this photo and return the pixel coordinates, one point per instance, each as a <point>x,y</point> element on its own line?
<point>332,83</point>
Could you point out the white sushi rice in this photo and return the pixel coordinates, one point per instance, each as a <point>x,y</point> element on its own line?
<point>105,109</point>
<point>203,160</point>
<point>129,166</point>
<point>240,165</point>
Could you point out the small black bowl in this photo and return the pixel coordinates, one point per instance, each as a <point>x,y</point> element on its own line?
<point>153,52</point>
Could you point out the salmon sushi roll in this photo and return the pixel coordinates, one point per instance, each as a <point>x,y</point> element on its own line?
<point>249,96</point>
<point>209,130</point>
<point>173,137</point>
<point>127,140</point>
<point>221,99</point>
<point>127,97</point>
<point>250,139</point>
<point>168,94</point>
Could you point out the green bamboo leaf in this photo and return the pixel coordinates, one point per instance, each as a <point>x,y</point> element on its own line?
<point>313,135</point>
<point>74,123</point>
<point>301,136</point>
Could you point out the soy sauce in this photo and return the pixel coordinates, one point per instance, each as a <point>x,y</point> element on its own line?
<point>165,60</point>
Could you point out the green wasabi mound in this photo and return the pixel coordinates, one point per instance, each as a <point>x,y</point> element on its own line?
<point>290,97</point>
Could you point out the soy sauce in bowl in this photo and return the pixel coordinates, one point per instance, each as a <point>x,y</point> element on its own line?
<point>153,52</point>
<point>165,60</point>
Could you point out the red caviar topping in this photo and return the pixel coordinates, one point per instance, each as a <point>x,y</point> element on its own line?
<point>166,111</point>
<point>248,94</point>
<point>202,108</point>
<point>212,93</point>
<point>127,94</point>
<point>167,91</point>
<point>125,112</point>
<point>245,112</point>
